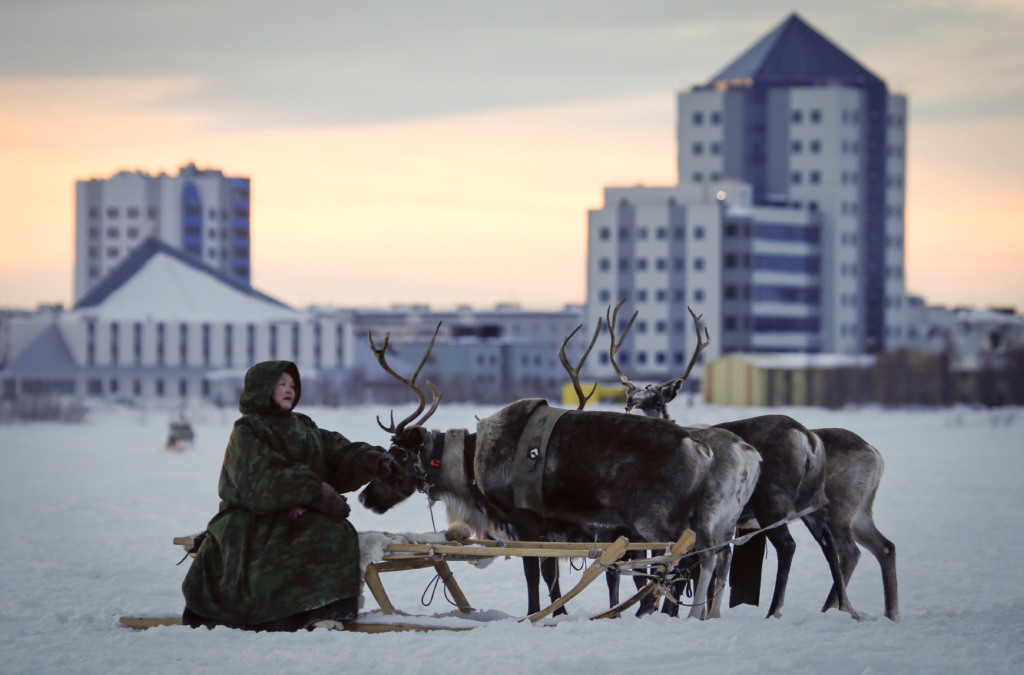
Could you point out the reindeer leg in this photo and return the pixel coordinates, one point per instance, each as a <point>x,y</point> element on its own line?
<point>849,556</point>
<point>721,578</point>
<point>532,571</point>
<point>785,547</point>
<point>707,566</point>
<point>869,537</point>
<point>815,522</point>
<point>549,570</point>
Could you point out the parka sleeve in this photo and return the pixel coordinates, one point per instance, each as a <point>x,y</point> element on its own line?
<point>344,461</point>
<point>263,481</point>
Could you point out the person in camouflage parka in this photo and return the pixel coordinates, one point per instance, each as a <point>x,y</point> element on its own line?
<point>280,554</point>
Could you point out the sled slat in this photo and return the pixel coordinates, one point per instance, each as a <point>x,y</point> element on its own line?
<point>372,579</point>
<point>142,623</point>
<point>594,571</point>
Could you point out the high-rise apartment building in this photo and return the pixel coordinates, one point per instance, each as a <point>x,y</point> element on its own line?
<point>808,127</point>
<point>202,213</point>
<point>785,229</point>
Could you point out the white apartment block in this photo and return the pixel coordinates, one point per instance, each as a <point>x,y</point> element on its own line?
<point>202,213</point>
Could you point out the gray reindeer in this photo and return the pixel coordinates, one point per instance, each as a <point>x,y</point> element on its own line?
<point>795,473</point>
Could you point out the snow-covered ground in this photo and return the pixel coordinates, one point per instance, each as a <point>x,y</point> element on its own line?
<point>87,513</point>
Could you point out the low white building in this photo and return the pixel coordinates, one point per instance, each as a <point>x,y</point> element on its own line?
<point>159,325</point>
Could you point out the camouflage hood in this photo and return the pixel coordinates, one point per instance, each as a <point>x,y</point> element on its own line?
<point>258,393</point>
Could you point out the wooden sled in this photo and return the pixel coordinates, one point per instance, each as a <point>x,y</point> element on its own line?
<point>400,557</point>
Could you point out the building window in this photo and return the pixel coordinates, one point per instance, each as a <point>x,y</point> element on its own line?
<point>698,295</point>
<point>339,344</point>
<point>641,264</point>
<point>152,212</point>
<point>661,264</point>
<point>698,148</point>
<point>182,387</point>
<point>698,264</point>
<point>796,147</point>
<point>159,387</point>
<point>678,264</point>
<point>697,177</point>
<point>661,233</point>
<point>160,344</point>
<point>731,230</point>
<point>731,292</point>
<point>137,344</point>
<point>815,116</point>
<point>206,345</point>
<point>113,385</point>
<point>229,347</point>
<point>206,387</point>
<point>698,232</point>
<point>94,233</point>
<point>641,233</point>
<point>603,296</point>
<point>114,346</point>
<point>133,212</point>
<point>250,344</point>
<point>730,260</point>
<point>641,295</point>
<point>94,212</point>
<point>716,148</point>
<point>641,357</point>
<point>797,116</point>
<point>677,357</point>
<point>112,212</point>
<point>295,343</point>
<point>133,232</point>
<point>814,177</point>
<point>273,342</point>
<point>659,327</point>
<point>698,118</point>
<point>183,344</point>
<point>604,233</point>
<point>94,387</point>
<point>137,387</point>
<point>660,357</point>
<point>730,323</point>
<point>624,233</point>
<point>814,146</point>
<point>679,232</point>
<point>678,326</point>
<point>604,264</point>
<point>796,178</point>
<point>623,264</point>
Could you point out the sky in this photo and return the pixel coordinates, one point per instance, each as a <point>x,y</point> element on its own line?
<point>447,152</point>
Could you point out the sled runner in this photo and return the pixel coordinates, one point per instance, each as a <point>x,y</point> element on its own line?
<point>399,557</point>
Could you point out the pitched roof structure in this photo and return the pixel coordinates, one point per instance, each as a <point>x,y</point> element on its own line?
<point>47,356</point>
<point>796,53</point>
<point>159,280</point>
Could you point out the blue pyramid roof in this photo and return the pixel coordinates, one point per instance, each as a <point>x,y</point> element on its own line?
<point>795,53</point>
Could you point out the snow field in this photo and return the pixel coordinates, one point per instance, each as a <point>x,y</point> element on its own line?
<point>88,512</point>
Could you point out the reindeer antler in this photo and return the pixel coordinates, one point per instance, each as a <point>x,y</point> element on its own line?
<point>614,347</point>
<point>574,373</point>
<point>700,345</point>
<point>411,383</point>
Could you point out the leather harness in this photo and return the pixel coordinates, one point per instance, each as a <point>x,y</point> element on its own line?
<point>527,465</point>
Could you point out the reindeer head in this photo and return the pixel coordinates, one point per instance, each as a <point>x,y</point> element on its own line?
<point>409,444</point>
<point>653,399</point>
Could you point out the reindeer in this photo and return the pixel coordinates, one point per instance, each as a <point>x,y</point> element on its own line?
<point>728,486</point>
<point>792,479</point>
<point>605,474</point>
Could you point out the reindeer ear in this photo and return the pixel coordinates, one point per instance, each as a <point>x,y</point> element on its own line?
<point>669,392</point>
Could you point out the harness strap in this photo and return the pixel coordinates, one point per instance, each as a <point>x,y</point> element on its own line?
<point>530,458</point>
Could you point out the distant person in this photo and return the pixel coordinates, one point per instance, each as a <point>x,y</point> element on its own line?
<point>280,555</point>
